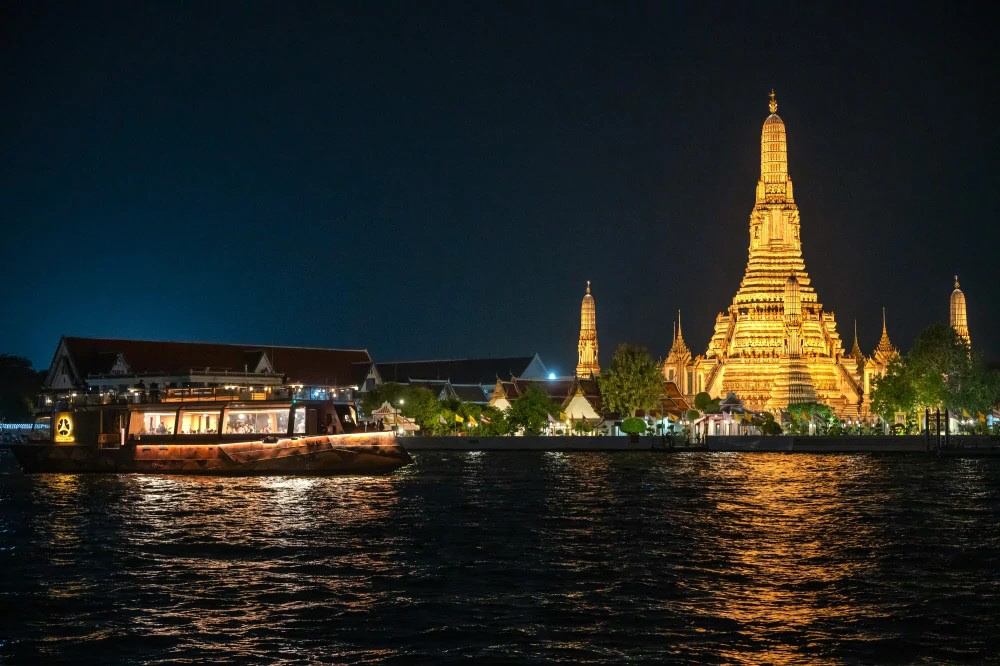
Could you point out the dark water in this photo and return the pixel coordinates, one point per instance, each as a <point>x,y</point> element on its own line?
<point>502,557</point>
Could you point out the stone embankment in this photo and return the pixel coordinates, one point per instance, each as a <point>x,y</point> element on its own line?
<point>966,445</point>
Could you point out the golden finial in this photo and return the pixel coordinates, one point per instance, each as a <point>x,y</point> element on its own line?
<point>774,102</point>
<point>588,286</point>
<point>956,282</point>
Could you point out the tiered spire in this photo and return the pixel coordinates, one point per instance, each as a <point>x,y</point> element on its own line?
<point>856,349</point>
<point>678,346</point>
<point>587,348</point>
<point>884,351</point>
<point>959,315</point>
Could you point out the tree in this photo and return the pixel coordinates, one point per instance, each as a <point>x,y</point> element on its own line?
<point>389,392</point>
<point>531,410</point>
<point>19,387</point>
<point>633,426</point>
<point>582,427</point>
<point>893,392</point>
<point>421,405</point>
<point>493,422</point>
<point>767,424</point>
<point>939,372</point>
<point>804,413</point>
<point>633,381</point>
<point>414,402</point>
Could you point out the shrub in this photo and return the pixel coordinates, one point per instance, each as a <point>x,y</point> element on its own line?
<point>633,426</point>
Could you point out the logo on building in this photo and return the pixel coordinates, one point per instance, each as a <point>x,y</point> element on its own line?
<point>64,427</point>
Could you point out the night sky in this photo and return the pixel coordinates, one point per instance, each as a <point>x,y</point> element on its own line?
<point>439,180</point>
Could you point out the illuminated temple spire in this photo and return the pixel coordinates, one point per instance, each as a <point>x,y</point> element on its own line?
<point>774,185</point>
<point>959,316</point>
<point>776,344</point>
<point>587,349</point>
<point>678,346</point>
<point>884,351</point>
<point>856,349</point>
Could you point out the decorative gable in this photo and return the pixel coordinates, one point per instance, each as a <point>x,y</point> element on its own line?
<point>120,366</point>
<point>62,374</point>
<point>264,365</point>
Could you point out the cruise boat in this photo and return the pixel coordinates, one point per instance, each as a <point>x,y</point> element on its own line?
<point>205,431</point>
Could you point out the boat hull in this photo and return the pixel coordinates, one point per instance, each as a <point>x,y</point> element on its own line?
<point>318,455</point>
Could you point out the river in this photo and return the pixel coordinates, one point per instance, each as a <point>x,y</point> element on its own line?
<point>501,557</point>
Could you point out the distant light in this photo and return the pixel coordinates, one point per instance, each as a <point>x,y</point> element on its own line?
<point>552,375</point>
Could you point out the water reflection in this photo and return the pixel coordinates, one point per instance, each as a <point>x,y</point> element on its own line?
<point>794,548</point>
<point>510,557</point>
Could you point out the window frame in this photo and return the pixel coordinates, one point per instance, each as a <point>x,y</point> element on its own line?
<point>144,412</point>
<point>286,407</point>
<point>218,412</point>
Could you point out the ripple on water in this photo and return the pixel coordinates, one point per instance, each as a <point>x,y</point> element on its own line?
<point>570,557</point>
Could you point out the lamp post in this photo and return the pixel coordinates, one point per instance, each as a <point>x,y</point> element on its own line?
<point>396,424</point>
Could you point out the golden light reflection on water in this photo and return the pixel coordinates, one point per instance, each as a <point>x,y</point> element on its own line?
<point>789,528</point>
<point>227,547</point>
<point>696,557</point>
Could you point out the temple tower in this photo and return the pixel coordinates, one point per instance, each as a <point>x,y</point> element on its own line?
<point>959,317</point>
<point>884,351</point>
<point>877,364</point>
<point>586,366</point>
<point>775,344</point>
<point>676,368</point>
<point>855,352</point>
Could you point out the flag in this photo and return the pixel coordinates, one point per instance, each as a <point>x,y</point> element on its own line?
<point>459,419</point>
<point>485,420</point>
<point>982,417</point>
<point>563,417</point>
<point>441,420</point>
<point>472,421</point>
<point>551,420</point>
<point>965,413</point>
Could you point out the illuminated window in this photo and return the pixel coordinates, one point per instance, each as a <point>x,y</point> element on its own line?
<point>42,428</point>
<point>199,423</point>
<point>152,423</point>
<point>255,421</point>
<point>300,421</point>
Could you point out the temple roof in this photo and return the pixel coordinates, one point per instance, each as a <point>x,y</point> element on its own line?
<point>301,365</point>
<point>459,371</point>
<point>678,348</point>
<point>884,351</point>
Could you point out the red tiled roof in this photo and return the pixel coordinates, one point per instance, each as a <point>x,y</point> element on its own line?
<point>302,365</point>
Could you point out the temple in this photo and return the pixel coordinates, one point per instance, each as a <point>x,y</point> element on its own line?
<point>959,318</point>
<point>775,344</point>
<point>587,367</point>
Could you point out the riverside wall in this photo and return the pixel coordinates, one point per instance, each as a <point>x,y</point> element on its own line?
<point>538,443</point>
<point>970,444</point>
<point>960,445</point>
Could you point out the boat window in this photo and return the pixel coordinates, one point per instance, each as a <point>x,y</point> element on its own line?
<point>42,428</point>
<point>152,423</point>
<point>199,422</point>
<point>300,420</point>
<point>255,421</point>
